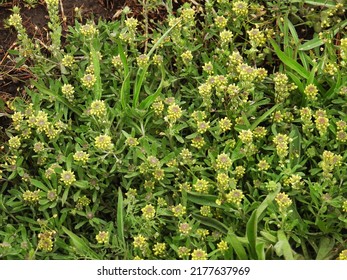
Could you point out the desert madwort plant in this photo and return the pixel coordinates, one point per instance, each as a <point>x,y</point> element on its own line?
<point>217,134</point>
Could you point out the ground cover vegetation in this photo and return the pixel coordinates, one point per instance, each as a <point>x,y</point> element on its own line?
<point>215,132</point>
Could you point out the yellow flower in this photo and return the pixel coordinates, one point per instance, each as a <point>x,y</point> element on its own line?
<point>103,142</point>
<point>140,241</point>
<point>14,142</point>
<point>67,177</point>
<point>148,212</point>
<point>102,237</point>
<point>283,200</point>
<point>343,255</point>
<point>81,156</point>
<point>98,108</point>
<point>223,246</point>
<point>159,249</point>
<point>199,254</point>
<point>223,161</point>
<point>178,210</point>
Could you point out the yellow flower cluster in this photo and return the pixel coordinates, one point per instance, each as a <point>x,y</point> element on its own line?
<point>140,241</point>
<point>89,30</point>
<point>103,142</point>
<point>187,57</point>
<point>98,108</point>
<point>223,161</point>
<point>117,61</point>
<point>246,136</point>
<point>81,156</point>
<point>343,255</point>
<point>199,254</point>
<point>295,181</point>
<point>67,177</point>
<point>205,210</point>
<point>148,212</point>
<point>31,197</point>
<point>235,196</point>
<point>225,37</point>
<point>158,174</point>
<point>188,16</point>
<point>201,186</point>
<point>198,142</point>
<point>202,126</point>
<point>281,141</point>
<point>132,142</point>
<point>240,8</point>
<point>223,246</point>
<point>174,112</point>
<point>158,106</point>
<point>178,210</point>
<point>184,228</point>
<point>344,206</point>
<point>142,60</point>
<point>183,251</point>
<point>256,37</point>
<point>263,165</point>
<point>131,23</point>
<point>311,92</point>
<point>68,60</point>
<point>159,249</point>
<point>46,240</point>
<point>88,80</point>
<point>259,132</point>
<point>102,237</point>
<point>283,200</point>
<point>68,91</point>
<point>224,124</point>
<point>220,22</point>
<point>157,59</point>
<point>14,142</point>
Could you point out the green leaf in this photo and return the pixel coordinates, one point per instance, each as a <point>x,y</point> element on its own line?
<point>326,245</point>
<point>288,61</point>
<point>96,67</point>
<point>234,242</point>
<point>120,216</point>
<point>283,247</point>
<point>38,184</point>
<point>211,223</point>
<point>81,245</point>
<point>204,199</point>
<point>251,233</point>
<point>62,100</point>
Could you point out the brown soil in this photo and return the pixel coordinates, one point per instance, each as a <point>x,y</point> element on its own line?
<point>35,21</point>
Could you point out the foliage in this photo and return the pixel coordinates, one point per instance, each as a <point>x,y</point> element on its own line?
<point>218,133</point>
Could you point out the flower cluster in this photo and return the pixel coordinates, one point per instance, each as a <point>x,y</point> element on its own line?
<point>329,162</point>
<point>102,237</point>
<point>103,142</point>
<point>201,186</point>
<point>46,240</point>
<point>281,141</point>
<point>311,92</point>
<point>225,37</point>
<point>159,249</point>
<point>98,108</point>
<point>223,162</point>
<point>220,22</point>
<point>68,91</point>
<point>187,57</point>
<point>199,254</point>
<point>67,177</point>
<point>282,87</point>
<point>148,212</point>
<point>283,201</point>
<point>235,196</point>
<point>174,112</point>
<point>240,8</point>
<point>31,197</point>
<point>89,30</point>
<point>81,156</point>
<point>256,37</point>
<point>321,121</point>
<point>142,60</point>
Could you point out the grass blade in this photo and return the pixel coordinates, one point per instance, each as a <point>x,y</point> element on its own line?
<point>234,242</point>
<point>120,216</point>
<point>81,245</point>
<point>291,63</point>
<point>283,247</point>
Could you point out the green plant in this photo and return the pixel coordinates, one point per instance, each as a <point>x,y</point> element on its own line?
<point>216,134</point>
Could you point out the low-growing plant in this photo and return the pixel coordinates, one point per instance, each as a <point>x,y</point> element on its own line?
<point>218,134</point>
